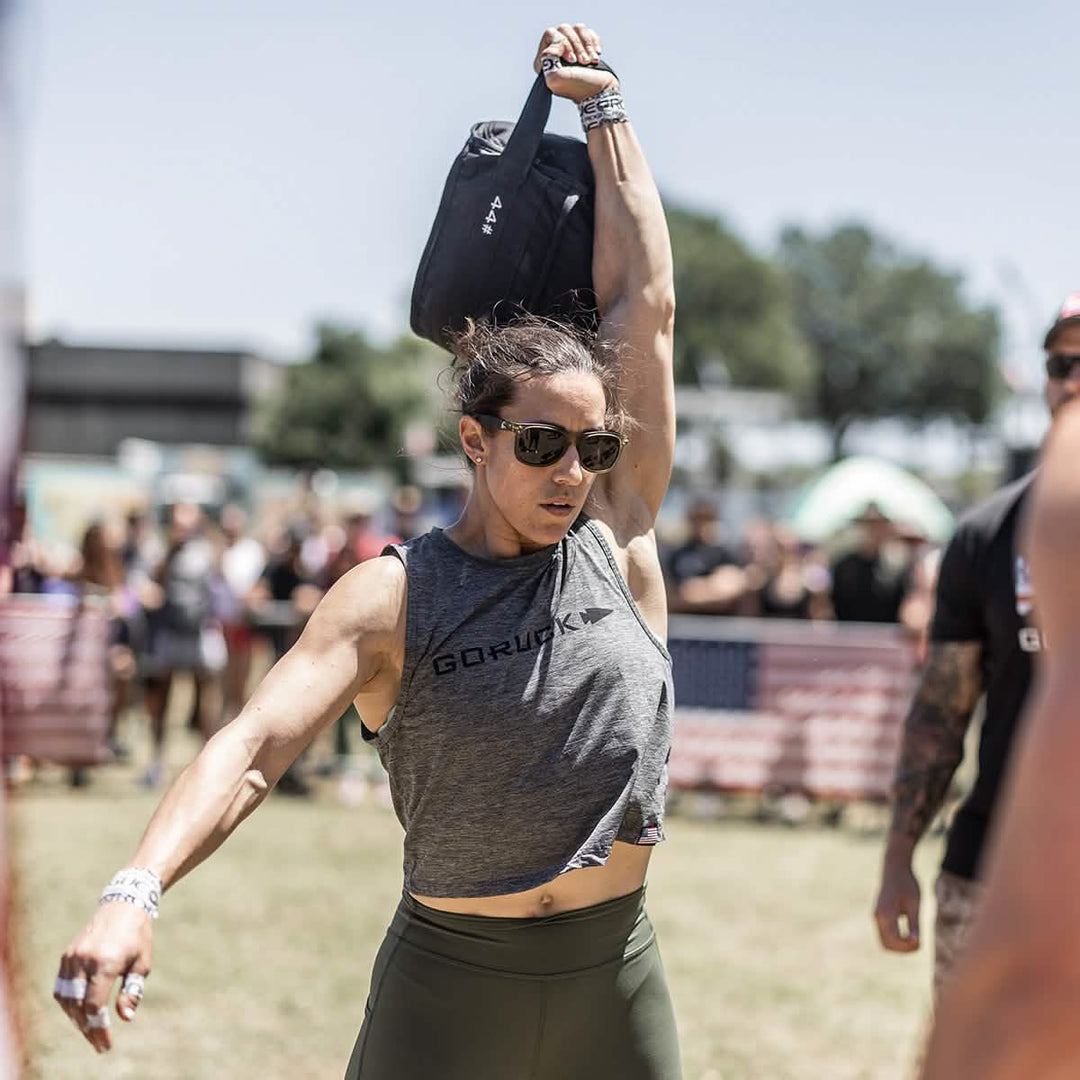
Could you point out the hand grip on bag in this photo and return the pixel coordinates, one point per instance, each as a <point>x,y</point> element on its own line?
<point>525,138</point>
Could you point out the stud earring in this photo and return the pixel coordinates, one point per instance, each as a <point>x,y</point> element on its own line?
<point>478,460</point>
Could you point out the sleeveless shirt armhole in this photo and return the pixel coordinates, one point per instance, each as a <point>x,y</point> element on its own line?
<point>623,587</point>
<point>401,553</point>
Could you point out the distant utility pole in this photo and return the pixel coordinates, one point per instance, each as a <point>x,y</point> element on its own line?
<point>12,383</point>
<point>12,363</point>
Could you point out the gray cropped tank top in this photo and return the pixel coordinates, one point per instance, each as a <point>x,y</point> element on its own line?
<point>533,724</point>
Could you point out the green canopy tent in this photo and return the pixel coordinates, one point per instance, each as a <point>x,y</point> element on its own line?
<point>826,504</point>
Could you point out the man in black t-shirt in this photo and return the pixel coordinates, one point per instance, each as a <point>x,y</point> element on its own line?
<point>982,641</point>
<point>868,586</point>
<point>703,577</point>
<point>285,580</point>
<point>1024,956</point>
<point>1023,960</point>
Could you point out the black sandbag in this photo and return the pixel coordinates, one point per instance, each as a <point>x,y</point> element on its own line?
<point>514,229</point>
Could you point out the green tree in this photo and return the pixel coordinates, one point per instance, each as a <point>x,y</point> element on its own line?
<point>889,334</point>
<point>734,319</point>
<point>347,406</point>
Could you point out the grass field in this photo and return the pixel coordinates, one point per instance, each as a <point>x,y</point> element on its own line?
<point>263,955</point>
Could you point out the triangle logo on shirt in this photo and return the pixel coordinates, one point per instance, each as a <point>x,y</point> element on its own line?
<point>594,614</point>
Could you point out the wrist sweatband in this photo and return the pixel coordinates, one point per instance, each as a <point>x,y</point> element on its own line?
<point>603,108</point>
<point>137,886</point>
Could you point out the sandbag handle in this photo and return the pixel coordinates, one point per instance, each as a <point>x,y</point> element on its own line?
<point>525,138</point>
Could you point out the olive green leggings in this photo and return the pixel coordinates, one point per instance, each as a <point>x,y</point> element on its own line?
<point>575,996</point>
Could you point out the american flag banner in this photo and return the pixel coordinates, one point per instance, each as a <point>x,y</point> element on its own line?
<point>761,704</point>
<point>54,678</point>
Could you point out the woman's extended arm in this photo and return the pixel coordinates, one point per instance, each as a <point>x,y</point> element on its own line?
<point>632,273</point>
<point>347,642</point>
<point>352,644</point>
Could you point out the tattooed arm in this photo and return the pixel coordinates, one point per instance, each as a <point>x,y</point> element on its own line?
<point>933,746</point>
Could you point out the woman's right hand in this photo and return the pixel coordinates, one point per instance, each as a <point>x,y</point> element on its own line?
<point>117,942</point>
<point>573,44</point>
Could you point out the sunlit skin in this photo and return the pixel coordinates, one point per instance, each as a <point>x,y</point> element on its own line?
<point>516,508</point>
<point>1060,392</point>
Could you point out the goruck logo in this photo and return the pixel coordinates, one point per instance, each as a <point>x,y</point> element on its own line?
<point>524,642</point>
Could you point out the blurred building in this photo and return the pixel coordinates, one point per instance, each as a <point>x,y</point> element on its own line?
<point>85,401</point>
<point>109,428</point>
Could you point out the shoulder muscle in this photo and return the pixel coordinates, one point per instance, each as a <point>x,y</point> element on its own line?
<point>364,610</point>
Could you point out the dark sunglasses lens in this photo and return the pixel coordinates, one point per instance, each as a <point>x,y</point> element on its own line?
<point>599,451</point>
<point>1060,365</point>
<point>540,445</point>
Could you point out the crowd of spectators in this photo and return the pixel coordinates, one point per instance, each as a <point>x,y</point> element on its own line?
<point>217,596</point>
<point>875,571</point>
<point>203,593</point>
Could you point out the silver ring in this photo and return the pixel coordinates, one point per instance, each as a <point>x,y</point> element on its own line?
<point>74,989</point>
<point>134,985</point>
<point>98,1020</point>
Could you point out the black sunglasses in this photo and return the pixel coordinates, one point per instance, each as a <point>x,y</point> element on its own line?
<point>544,444</point>
<point>1059,365</point>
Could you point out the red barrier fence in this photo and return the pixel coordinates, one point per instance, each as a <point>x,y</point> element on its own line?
<point>54,679</point>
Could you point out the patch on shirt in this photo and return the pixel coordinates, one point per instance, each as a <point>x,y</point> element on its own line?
<point>651,834</point>
<point>1025,593</point>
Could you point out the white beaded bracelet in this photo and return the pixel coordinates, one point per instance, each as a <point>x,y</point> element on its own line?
<point>135,885</point>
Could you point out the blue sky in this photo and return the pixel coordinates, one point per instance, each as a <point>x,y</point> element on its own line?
<point>229,171</point>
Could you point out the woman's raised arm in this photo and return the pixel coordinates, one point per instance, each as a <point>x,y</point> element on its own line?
<point>632,268</point>
<point>632,275</point>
